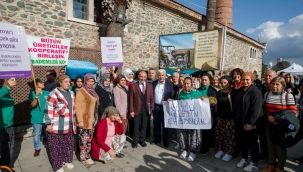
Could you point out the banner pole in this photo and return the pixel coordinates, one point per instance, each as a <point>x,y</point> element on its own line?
<point>34,79</point>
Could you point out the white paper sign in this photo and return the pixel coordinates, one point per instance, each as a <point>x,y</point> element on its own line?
<point>111,48</point>
<point>187,114</point>
<point>48,51</point>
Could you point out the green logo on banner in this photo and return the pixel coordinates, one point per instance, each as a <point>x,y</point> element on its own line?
<point>48,62</point>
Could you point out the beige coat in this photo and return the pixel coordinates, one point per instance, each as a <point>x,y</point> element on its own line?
<point>85,108</point>
<point>121,100</point>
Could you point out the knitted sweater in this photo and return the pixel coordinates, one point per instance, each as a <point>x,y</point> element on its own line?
<point>276,102</point>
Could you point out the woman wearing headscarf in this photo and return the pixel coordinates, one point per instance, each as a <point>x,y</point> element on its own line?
<point>37,111</point>
<point>189,139</point>
<point>87,116</point>
<point>225,131</point>
<point>291,87</point>
<point>61,124</point>
<point>105,94</point>
<point>121,94</point>
<point>129,74</point>
<point>248,109</point>
<point>108,138</point>
<point>208,136</point>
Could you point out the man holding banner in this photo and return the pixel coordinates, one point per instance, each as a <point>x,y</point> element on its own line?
<point>163,90</point>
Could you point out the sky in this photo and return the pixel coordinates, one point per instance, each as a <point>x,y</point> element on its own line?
<point>279,23</point>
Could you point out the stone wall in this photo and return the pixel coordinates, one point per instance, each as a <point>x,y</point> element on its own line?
<point>141,40</point>
<point>237,54</point>
<point>48,18</point>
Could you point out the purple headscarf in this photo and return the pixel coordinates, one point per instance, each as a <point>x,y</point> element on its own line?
<point>90,90</point>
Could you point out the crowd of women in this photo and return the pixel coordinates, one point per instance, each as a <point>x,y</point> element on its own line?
<point>97,112</point>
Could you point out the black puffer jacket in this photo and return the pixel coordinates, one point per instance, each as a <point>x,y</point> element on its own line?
<point>248,106</point>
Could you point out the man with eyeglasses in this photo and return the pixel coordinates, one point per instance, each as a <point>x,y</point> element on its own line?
<point>50,84</point>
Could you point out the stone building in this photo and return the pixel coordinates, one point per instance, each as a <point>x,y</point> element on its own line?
<point>83,25</point>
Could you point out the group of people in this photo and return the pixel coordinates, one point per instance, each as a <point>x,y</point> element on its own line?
<point>98,113</point>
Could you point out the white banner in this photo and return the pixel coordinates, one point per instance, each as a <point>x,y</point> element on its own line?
<point>187,114</point>
<point>48,51</point>
<point>111,48</point>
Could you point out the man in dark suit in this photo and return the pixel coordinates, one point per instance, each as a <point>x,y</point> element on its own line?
<point>141,106</point>
<point>163,90</point>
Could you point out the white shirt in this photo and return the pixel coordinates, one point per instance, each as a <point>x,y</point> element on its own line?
<point>159,93</point>
<point>140,86</point>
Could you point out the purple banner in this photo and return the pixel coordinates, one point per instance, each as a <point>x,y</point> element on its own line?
<point>112,64</point>
<point>14,57</point>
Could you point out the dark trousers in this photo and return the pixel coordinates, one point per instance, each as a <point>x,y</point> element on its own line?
<point>249,143</point>
<point>208,137</point>
<point>275,151</point>
<point>148,126</point>
<point>140,125</point>
<point>158,123</point>
<point>261,123</point>
<point>7,143</point>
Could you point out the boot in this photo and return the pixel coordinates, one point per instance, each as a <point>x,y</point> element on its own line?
<point>37,152</point>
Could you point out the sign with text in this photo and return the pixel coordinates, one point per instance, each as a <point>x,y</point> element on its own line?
<point>48,51</point>
<point>187,114</point>
<point>14,56</point>
<point>111,48</point>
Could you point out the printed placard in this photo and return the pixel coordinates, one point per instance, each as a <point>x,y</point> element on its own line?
<point>48,51</point>
<point>14,56</point>
<point>111,48</point>
<point>187,114</point>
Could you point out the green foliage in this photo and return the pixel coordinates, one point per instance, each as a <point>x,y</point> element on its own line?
<point>281,65</point>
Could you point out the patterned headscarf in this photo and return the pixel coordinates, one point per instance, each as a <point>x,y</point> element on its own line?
<point>110,110</point>
<point>90,90</point>
<point>101,82</point>
<point>126,72</point>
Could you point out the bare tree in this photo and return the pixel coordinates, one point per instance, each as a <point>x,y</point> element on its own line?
<point>111,9</point>
<point>210,14</point>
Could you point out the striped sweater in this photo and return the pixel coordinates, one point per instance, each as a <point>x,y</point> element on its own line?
<point>277,102</point>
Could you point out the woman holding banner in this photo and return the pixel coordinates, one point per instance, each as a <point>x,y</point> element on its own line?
<point>37,112</point>
<point>61,124</point>
<point>87,116</point>
<point>189,139</point>
<point>7,133</point>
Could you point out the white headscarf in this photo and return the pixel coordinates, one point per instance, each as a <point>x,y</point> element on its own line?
<point>126,72</point>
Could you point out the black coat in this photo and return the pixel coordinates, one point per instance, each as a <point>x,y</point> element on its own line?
<point>251,107</point>
<point>105,99</point>
<point>168,89</point>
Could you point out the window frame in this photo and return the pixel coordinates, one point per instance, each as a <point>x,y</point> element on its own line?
<point>90,15</point>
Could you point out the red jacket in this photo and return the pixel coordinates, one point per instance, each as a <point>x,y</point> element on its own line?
<point>100,134</point>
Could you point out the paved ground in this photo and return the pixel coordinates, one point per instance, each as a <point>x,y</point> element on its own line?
<point>151,158</point>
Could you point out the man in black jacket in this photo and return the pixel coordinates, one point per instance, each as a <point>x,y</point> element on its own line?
<point>163,90</point>
<point>208,136</point>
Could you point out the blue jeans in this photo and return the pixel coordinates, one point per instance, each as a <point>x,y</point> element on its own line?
<point>158,123</point>
<point>37,135</point>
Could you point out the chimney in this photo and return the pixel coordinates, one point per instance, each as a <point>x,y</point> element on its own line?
<point>224,12</point>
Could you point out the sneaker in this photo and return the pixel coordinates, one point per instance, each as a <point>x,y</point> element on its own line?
<point>69,165</point>
<point>60,170</point>
<point>89,162</point>
<point>227,157</point>
<point>219,154</point>
<point>191,157</point>
<point>243,163</point>
<point>251,167</point>
<point>183,155</point>
<point>177,146</point>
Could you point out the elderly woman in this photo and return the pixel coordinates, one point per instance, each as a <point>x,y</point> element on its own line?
<point>7,133</point>
<point>87,116</point>
<point>248,109</point>
<point>78,82</point>
<point>216,83</point>
<point>208,91</point>
<point>129,76</point>
<point>121,94</point>
<point>189,139</point>
<point>291,87</point>
<point>37,111</point>
<point>61,124</point>
<point>105,94</point>
<point>236,75</point>
<point>225,128</point>
<point>275,100</point>
<point>108,138</point>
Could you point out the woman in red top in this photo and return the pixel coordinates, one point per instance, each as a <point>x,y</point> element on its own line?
<point>236,76</point>
<point>108,138</point>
